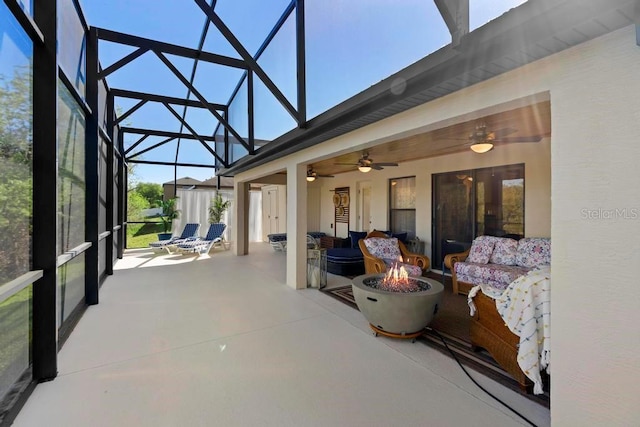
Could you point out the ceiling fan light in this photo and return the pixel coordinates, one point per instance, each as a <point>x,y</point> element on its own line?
<point>311,178</point>
<point>364,169</point>
<point>481,147</point>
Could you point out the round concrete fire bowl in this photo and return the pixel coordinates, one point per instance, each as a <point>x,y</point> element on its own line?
<point>397,314</point>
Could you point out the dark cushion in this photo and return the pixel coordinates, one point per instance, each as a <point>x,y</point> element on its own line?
<point>344,254</point>
<point>355,236</point>
<point>345,261</point>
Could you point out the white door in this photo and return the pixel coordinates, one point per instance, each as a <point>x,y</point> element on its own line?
<point>273,211</point>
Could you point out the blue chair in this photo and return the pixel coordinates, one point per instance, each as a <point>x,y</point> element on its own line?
<point>190,232</point>
<point>203,245</point>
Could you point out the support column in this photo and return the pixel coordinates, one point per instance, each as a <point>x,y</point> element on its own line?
<point>122,197</point>
<point>92,157</point>
<point>110,202</point>
<point>45,192</point>
<point>241,218</point>
<point>297,226</point>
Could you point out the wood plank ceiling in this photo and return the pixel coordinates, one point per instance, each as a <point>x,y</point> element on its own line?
<point>528,121</point>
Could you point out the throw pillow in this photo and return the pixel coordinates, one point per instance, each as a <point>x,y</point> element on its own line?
<point>355,236</point>
<point>383,247</point>
<point>533,251</point>
<point>481,249</point>
<point>504,252</point>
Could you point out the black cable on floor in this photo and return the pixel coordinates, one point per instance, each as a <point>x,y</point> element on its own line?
<point>476,383</point>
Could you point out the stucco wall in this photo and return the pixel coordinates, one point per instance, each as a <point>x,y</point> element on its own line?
<point>595,224</point>
<point>596,253</point>
<point>535,156</point>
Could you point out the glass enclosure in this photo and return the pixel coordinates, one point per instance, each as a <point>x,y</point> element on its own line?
<point>16,123</point>
<point>16,205</point>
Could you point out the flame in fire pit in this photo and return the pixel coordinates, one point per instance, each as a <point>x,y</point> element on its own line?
<point>397,280</point>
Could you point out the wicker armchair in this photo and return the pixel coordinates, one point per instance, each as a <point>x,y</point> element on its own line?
<point>373,265</point>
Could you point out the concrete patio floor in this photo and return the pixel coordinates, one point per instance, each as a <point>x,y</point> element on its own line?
<point>220,340</point>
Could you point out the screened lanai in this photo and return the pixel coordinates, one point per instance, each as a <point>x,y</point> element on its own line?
<point>260,91</point>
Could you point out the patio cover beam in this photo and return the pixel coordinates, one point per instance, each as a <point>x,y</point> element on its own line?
<point>122,62</point>
<point>135,144</point>
<point>283,18</point>
<point>301,63</point>
<point>248,59</point>
<point>172,49</point>
<point>155,132</point>
<point>130,111</point>
<point>152,162</point>
<point>122,93</point>
<point>154,146</point>
<point>190,129</point>
<point>202,99</point>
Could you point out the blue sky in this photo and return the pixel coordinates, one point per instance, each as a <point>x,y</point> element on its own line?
<point>351,45</point>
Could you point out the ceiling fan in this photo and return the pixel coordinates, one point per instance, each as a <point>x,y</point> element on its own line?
<point>312,175</point>
<point>365,164</point>
<point>481,140</point>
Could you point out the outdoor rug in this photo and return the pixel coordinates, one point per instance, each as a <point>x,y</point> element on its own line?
<point>452,324</point>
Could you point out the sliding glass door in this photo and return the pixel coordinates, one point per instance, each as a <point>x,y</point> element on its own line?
<point>471,203</point>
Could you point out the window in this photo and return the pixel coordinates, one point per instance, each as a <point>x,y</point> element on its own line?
<point>402,206</point>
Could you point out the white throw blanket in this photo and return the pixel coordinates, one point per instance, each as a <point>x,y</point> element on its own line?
<point>525,307</point>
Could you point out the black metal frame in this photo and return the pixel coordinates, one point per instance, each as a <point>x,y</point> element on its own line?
<point>92,181</point>
<point>45,191</point>
<point>219,111</point>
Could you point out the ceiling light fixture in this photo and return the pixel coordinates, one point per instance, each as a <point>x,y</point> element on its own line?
<point>364,169</point>
<point>481,140</point>
<point>481,147</point>
<point>311,175</point>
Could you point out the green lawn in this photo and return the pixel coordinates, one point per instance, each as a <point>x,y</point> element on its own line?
<point>140,235</point>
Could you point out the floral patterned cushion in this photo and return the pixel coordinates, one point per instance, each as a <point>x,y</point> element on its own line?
<point>412,270</point>
<point>383,247</point>
<point>481,249</point>
<point>533,251</point>
<point>504,252</point>
<point>496,275</point>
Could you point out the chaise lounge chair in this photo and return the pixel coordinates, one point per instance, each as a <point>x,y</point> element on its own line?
<point>190,232</point>
<point>203,245</point>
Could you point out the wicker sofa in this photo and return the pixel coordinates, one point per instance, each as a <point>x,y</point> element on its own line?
<point>496,261</point>
<point>487,329</point>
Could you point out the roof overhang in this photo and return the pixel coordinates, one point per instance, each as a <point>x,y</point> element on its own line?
<point>532,31</point>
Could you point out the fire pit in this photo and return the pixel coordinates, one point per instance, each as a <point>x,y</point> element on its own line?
<point>395,304</point>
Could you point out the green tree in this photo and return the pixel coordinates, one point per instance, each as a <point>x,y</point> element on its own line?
<point>15,173</point>
<point>218,208</point>
<point>150,191</point>
<point>136,203</point>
